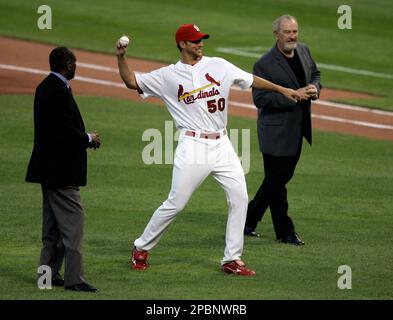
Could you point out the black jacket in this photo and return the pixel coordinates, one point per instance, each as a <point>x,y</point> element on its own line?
<point>281,122</point>
<point>59,154</point>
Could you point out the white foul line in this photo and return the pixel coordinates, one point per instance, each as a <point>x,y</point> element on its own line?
<point>328,118</point>
<point>96,67</point>
<point>237,104</point>
<point>355,108</point>
<point>355,122</point>
<point>338,105</point>
<point>78,78</point>
<point>22,69</point>
<point>102,82</point>
<point>245,52</point>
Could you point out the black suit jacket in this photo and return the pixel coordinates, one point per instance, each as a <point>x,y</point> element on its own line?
<point>59,154</point>
<point>281,122</point>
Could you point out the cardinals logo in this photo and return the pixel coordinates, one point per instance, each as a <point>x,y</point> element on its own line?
<point>211,80</point>
<point>189,97</point>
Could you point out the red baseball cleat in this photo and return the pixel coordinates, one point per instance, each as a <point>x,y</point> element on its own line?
<point>237,267</point>
<point>139,259</point>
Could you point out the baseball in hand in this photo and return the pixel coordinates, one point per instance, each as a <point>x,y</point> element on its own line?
<point>124,41</point>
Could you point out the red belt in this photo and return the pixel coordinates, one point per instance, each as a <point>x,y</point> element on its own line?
<point>206,135</point>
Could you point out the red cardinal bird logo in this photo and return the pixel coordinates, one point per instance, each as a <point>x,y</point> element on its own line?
<point>211,79</point>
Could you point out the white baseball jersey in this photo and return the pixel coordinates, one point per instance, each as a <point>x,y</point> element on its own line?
<point>195,95</point>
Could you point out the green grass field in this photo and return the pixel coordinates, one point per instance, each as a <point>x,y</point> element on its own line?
<point>340,200</point>
<point>96,25</point>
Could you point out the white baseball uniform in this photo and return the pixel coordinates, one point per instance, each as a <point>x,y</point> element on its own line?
<point>197,98</point>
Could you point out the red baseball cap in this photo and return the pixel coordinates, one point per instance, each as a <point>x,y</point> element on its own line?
<point>189,32</point>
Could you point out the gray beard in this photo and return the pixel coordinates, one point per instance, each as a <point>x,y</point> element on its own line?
<point>289,48</point>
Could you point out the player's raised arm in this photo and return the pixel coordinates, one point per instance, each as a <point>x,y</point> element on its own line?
<point>260,83</point>
<point>126,73</point>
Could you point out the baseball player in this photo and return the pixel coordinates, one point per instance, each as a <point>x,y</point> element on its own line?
<point>195,91</point>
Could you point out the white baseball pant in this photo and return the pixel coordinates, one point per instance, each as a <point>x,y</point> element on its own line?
<point>195,159</point>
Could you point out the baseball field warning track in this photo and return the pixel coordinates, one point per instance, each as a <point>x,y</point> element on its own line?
<point>23,65</point>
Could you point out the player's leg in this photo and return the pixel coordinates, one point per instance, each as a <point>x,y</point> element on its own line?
<point>230,175</point>
<point>188,174</point>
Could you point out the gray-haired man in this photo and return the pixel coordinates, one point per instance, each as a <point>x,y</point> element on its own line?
<point>282,124</point>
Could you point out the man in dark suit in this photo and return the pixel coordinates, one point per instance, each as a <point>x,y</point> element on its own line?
<point>59,163</point>
<point>282,124</point>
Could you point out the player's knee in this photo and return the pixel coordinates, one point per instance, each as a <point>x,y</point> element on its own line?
<point>177,203</point>
<point>180,206</point>
<point>244,197</point>
<point>239,197</point>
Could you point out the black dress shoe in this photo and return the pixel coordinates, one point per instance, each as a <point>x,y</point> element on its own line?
<point>293,239</point>
<point>57,281</point>
<point>249,231</point>
<point>81,287</point>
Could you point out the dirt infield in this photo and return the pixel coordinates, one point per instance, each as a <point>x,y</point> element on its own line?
<point>23,65</point>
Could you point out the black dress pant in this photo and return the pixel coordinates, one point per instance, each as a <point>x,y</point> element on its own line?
<point>273,194</point>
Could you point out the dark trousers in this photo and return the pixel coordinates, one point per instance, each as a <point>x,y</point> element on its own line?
<point>273,194</point>
<point>62,232</point>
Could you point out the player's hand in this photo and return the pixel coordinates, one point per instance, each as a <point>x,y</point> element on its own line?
<point>291,94</point>
<point>120,50</point>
